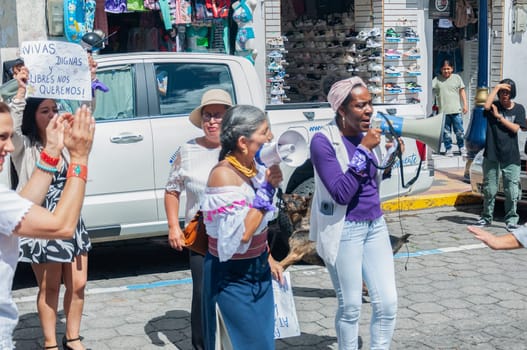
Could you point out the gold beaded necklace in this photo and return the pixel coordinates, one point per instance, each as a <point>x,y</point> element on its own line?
<point>249,172</point>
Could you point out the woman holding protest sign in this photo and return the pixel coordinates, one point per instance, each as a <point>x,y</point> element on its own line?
<point>52,261</point>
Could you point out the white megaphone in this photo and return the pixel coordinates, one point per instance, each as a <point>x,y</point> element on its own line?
<point>291,148</point>
<point>428,131</point>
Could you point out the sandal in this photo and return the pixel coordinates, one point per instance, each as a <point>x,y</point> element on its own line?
<point>65,342</point>
<point>51,347</point>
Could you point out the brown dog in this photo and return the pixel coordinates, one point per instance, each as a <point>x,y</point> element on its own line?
<point>298,209</point>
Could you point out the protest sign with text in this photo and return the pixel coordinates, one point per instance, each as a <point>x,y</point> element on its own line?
<point>57,69</point>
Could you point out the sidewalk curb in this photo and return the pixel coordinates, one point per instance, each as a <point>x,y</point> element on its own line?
<point>431,201</point>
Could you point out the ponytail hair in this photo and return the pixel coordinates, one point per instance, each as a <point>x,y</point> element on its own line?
<point>239,120</point>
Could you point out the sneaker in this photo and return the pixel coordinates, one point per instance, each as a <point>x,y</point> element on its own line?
<point>511,227</point>
<point>466,178</point>
<point>392,53</point>
<point>374,89</point>
<point>391,70</point>
<point>463,151</point>
<point>362,36</point>
<point>375,32</point>
<point>409,33</point>
<point>363,67</point>
<point>413,67</point>
<point>412,52</point>
<point>481,223</point>
<point>391,33</point>
<point>370,43</point>
<point>275,54</point>
<point>374,67</point>
<point>352,48</point>
<point>413,87</point>
<point>449,153</point>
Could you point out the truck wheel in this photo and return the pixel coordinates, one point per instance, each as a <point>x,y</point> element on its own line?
<point>279,243</point>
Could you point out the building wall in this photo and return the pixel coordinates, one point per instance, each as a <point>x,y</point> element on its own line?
<point>514,54</point>
<point>20,21</point>
<point>8,30</point>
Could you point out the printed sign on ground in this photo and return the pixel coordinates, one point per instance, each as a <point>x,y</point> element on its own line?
<point>285,318</point>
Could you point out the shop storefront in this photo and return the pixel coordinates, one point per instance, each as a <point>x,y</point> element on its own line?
<point>297,45</point>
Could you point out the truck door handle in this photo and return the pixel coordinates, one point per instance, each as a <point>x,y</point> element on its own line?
<point>127,138</point>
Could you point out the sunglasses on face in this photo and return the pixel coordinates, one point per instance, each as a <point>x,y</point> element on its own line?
<point>207,117</point>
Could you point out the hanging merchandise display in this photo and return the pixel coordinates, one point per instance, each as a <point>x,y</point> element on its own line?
<point>79,16</point>
<point>166,25</point>
<point>135,5</point>
<point>245,45</point>
<point>115,6</point>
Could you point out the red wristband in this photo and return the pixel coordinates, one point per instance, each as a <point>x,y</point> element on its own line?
<point>46,158</point>
<point>77,170</point>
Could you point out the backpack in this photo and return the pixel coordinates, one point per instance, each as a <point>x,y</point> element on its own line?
<point>464,14</point>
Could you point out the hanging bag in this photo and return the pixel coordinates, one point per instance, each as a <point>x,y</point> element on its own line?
<point>196,234</point>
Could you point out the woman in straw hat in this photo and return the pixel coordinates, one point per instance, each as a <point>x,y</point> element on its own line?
<point>346,217</point>
<point>190,170</point>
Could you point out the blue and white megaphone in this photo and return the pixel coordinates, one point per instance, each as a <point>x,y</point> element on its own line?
<point>290,148</point>
<point>428,130</point>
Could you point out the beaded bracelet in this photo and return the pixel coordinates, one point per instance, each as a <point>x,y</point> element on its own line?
<point>77,170</point>
<point>47,169</point>
<point>46,158</point>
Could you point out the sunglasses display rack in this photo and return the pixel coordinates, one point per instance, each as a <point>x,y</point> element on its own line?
<point>276,72</point>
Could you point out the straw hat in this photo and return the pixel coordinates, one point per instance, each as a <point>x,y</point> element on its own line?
<point>210,97</point>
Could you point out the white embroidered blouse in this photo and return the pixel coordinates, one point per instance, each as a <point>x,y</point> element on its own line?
<point>225,209</point>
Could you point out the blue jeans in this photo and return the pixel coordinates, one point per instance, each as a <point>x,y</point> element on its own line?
<point>454,121</point>
<point>511,182</point>
<point>364,252</point>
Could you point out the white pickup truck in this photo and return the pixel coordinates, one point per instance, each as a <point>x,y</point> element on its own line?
<point>139,129</point>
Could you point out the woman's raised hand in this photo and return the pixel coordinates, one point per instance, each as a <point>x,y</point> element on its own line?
<point>55,134</point>
<point>78,135</point>
<point>274,175</point>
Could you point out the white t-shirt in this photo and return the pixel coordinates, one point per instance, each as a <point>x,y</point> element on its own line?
<point>190,172</point>
<point>12,210</point>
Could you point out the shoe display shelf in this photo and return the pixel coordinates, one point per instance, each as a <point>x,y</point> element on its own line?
<point>401,69</point>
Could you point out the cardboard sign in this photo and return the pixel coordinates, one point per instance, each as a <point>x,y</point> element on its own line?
<point>285,318</point>
<point>57,70</point>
